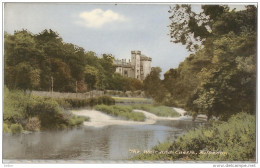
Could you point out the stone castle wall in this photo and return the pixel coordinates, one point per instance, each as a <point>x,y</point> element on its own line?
<point>138,67</point>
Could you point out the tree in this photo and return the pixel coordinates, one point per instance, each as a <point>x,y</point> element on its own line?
<point>135,84</point>
<point>107,70</point>
<point>75,57</point>
<point>220,77</point>
<point>229,85</point>
<point>187,27</point>
<point>91,77</point>
<point>153,86</point>
<point>192,29</point>
<point>22,61</point>
<point>183,81</point>
<point>61,75</point>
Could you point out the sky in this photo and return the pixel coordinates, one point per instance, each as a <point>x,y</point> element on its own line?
<point>115,29</point>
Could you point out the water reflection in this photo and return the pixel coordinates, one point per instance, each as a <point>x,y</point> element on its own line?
<point>88,143</point>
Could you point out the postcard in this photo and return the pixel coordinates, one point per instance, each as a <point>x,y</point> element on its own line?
<point>129,83</point>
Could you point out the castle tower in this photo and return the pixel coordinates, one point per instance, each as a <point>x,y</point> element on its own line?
<point>145,66</point>
<point>136,57</point>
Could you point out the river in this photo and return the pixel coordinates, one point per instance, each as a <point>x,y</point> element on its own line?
<point>111,142</point>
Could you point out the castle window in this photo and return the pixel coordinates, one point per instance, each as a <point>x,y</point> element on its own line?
<point>125,73</point>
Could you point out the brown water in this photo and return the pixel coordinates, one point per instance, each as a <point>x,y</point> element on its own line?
<point>88,143</point>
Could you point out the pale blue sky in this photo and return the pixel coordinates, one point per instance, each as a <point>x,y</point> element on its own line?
<point>103,28</point>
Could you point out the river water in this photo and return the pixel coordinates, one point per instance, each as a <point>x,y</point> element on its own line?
<point>89,143</point>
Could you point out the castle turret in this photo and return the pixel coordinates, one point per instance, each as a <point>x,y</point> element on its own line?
<point>145,66</point>
<point>136,57</point>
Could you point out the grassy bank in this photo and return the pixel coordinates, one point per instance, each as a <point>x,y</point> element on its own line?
<point>123,112</point>
<point>27,112</point>
<point>222,141</point>
<point>130,100</point>
<point>157,110</point>
<point>77,103</point>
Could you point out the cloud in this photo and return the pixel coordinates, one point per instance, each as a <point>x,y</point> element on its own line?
<point>98,18</point>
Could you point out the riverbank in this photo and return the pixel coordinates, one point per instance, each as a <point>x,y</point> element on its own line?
<point>214,142</point>
<point>100,119</point>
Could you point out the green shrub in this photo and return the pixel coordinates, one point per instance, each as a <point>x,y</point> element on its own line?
<point>93,102</point>
<point>157,110</point>
<point>6,128</point>
<point>76,121</point>
<point>49,113</point>
<point>107,100</point>
<point>63,103</point>
<point>14,105</point>
<point>124,112</point>
<point>16,128</point>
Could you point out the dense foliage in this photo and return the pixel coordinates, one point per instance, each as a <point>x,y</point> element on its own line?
<point>34,61</point>
<point>78,103</point>
<point>123,112</point>
<point>32,113</point>
<point>219,79</point>
<point>222,141</point>
<point>153,86</point>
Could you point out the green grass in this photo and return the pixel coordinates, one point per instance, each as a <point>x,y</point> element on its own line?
<point>163,111</point>
<point>77,120</point>
<point>123,112</point>
<point>234,140</point>
<point>133,100</point>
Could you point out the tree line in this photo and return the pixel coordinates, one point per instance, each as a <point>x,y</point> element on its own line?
<point>219,77</point>
<point>38,61</point>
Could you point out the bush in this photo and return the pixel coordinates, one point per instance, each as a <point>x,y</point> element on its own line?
<point>124,112</point>
<point>64,103</point>
<point>14,105</point>
<point>76,121</point>
<point>33,124</point>
<point>6,128</point>
<point>107,100</point>
<point>157,110</point>
<point>16,128</point>
<point>49,113</point>
<point>77,103</point>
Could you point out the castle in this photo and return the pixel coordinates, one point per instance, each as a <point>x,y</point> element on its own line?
<point>138,67</point>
